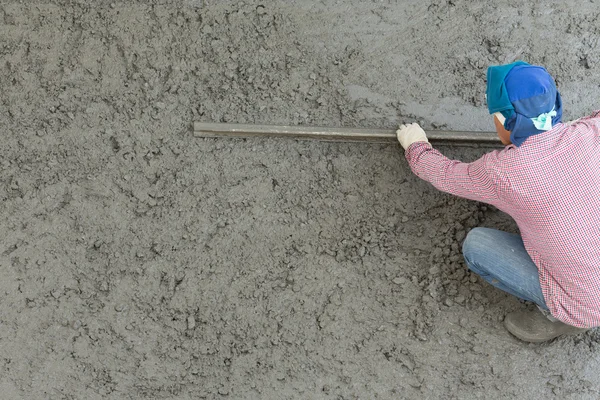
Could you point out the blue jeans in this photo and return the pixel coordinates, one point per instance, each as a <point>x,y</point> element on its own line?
<point>501,259</point>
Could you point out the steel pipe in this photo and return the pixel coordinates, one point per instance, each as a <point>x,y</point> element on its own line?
<point>205,129</point>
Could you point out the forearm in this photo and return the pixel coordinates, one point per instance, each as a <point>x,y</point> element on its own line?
<point>471,181</point>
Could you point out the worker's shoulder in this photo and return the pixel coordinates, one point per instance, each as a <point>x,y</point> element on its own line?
<point>585,128</point>
<point>509,158</point>
<point>594,117</point>
<point>501,156</point>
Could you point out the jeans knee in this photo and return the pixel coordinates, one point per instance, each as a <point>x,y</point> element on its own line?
<point>472,248</point>
<point>469,246</point>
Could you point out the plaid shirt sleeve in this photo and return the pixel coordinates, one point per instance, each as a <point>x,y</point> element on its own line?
<point>479,180</point>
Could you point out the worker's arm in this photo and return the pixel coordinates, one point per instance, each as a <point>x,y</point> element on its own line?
<point>475,181</point>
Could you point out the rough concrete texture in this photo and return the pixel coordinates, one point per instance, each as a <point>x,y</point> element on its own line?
<point>140,262</point>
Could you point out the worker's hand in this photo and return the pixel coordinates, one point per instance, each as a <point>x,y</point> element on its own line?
<point>409,134</point>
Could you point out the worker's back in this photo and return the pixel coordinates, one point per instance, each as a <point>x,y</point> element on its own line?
<point>553,194</point>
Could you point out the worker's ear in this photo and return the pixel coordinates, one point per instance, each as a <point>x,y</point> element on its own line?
<point>503,134</point>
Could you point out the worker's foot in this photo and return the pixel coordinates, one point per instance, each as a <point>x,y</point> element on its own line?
<point>535,327</point>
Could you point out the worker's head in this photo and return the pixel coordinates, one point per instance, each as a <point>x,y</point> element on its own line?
<point>523,99</point>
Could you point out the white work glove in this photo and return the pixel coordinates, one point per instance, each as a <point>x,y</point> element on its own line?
<point>409,134</point>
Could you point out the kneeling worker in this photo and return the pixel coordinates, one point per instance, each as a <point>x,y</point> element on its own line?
<point>548,179</point>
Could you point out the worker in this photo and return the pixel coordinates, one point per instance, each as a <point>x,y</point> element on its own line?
<point>547,178</point>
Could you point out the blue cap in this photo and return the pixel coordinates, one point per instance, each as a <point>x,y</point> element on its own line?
<point>527,96</point>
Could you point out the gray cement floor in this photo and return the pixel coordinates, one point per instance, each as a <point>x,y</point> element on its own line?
<point>139,262</point>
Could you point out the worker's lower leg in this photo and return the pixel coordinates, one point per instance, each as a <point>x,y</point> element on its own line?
<point>501,259</point>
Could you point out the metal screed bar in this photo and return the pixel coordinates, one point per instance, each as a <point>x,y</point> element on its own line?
<point>202,129</point>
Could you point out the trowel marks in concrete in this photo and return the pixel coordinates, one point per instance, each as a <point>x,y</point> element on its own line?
<point>139,262</point>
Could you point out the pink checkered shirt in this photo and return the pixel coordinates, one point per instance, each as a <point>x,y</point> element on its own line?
<point>550,185</point>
